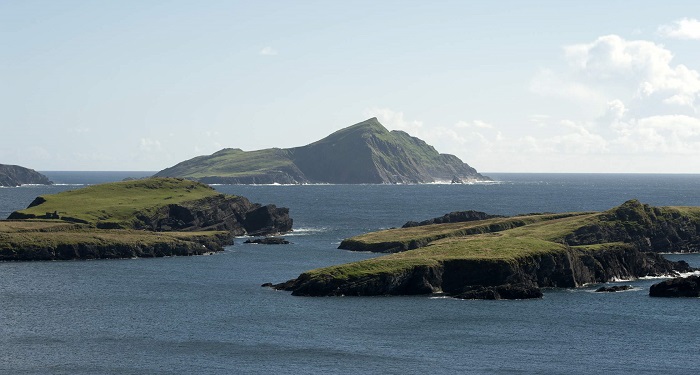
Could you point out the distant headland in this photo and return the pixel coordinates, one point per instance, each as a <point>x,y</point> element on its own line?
<point>364,153</point>
<point>14,175</point>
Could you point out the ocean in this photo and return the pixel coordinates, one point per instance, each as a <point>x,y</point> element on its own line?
<point>209,315</point>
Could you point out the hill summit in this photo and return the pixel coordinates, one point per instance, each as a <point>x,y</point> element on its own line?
<point>364,153</point>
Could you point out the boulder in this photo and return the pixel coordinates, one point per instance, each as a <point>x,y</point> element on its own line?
<point>506,291</point>
<point>613,288</point>
<point>268,241</point>
<point>453,217</point>
<point>677,287</point>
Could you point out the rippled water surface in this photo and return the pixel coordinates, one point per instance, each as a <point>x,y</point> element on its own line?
<point>209,315</point>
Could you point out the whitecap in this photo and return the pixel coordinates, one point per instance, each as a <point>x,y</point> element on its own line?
<point>306,231</point>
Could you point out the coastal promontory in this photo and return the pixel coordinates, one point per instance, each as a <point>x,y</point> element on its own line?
<point>14,175</point>
<point>512,257</point>
<point>139,218</point>
<point>364,153</point>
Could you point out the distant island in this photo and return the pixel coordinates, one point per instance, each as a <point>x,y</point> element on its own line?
<point>365,153</point>
<point>479,256</point>
<point>140,218</point>
<point>14,175</point>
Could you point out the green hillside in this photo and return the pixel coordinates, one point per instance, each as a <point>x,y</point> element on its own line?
<point>363,153</point>
<point>493,255</point>
<point>116,203</point>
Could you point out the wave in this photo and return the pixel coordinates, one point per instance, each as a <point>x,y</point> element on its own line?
<point>684,274</point>
<point>306,231</point>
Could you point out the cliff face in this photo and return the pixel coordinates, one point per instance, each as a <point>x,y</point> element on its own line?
<point>164,205</point>
<point>363,153</point>
<point>109,244</point>
<point>14,175</point>
<point>236,215</point>
<point>648,228</point>
<point>566,269</point>
<point>142,218</point>
<point>512,257</point>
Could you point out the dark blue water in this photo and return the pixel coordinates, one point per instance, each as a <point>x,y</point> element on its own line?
<point>208,314</point>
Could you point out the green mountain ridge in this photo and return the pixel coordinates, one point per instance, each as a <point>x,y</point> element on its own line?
<point>363,153</point>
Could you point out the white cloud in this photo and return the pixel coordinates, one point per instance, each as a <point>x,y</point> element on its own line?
<point>268,51</point>
<point>685,28</point>
<point>615,105</point>
<point>394,120</point>
<point>473,124</point>
<point>150,145</point>
<point>650,110</point>
<point>611,67</point>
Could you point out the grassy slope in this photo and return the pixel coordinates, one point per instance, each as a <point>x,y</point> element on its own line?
<point>231,163</point>
<point>33,234</point>
<point>120,201</point>
<point>347,155</point>
<point>541,234</point>
<point>434,232</point>
<point>39,240</point>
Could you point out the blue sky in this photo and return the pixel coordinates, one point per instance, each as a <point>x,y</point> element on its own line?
<point>507,86</point>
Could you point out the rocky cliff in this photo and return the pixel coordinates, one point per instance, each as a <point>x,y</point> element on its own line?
<point>14,175</point>
<point>39,240</point>
<point>461,277</point>
<point>363,153</point>
<point>513,257</point>
<point>452,217</point>
<point>159,204</point>
<point>677,287</point>
<point>152,217</point>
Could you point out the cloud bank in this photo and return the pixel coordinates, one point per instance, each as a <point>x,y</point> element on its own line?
<point>685,28</point>
<point>636,110</point>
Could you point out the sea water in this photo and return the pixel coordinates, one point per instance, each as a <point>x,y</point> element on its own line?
<point>209,315</point>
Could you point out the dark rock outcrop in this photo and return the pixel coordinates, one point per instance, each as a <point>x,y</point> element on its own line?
<point>613,288</point>
<point>506,291</point>
<point>580,248</point>
<point>648,228</point>
<point>268,241</point>
<point>234,214</point>
<point>14,175</point>
<point>453,217</point>
<point>566,269</point>
<point>143,218</point>
<point>115,250</point>
<point>677,287</point>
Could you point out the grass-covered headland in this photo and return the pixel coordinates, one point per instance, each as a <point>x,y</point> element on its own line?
<point>140,218</point>
<point>513,257</point>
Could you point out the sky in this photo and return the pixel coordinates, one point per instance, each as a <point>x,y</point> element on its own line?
<point>507,86</point>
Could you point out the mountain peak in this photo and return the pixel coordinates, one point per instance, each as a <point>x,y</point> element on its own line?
<point>365,152</point>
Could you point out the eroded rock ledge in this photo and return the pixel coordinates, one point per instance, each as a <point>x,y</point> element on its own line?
<point>513,257</point>
<point>677,287</point>
<point>479,278</point>
<point>142,218</point>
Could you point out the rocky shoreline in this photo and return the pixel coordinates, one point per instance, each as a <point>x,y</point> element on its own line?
<point>14,175</point>
<point>482,279</point>
<point>565,251</point>
<point>56,228</point>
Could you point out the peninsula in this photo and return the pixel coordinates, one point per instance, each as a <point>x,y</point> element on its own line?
<point>14,175</point>
<point>512,257</point>
<point>365,153</point>
<point>139,218</point>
